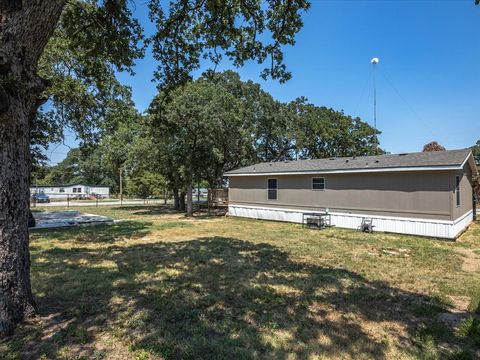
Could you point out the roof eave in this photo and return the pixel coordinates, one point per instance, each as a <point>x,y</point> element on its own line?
<point>350,171</point>
<point>471,160</point>
<point>67,185</point>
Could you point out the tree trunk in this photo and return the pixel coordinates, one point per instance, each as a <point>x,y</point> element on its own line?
<point>176,200</point>
<point>25,27</point>
<point>182,201</point>
<point>189,190</point>
<point>189,198</point>
<point>16,300</point>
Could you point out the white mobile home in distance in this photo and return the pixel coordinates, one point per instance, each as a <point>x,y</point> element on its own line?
<point>73,191</point>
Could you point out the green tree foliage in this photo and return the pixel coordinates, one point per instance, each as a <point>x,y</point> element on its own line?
<point>146,184</point>
<point>66,172</point>
<point>100,163</point>
<point>190,30</point>
<point>433,146</point>
<point>199,121</point>
<point>42,134</point>
<point>119,146</point>
<point>263,122</point>
<point>476,151</point>
<point>272,130</point>
<point>82,165</point>
<point>476,154</point>
<point>95,39</point>
<point>321,132</point>
<point>277,131</point>
<point>79,63</point>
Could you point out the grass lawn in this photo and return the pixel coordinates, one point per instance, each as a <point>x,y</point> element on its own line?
<point>159,286</point>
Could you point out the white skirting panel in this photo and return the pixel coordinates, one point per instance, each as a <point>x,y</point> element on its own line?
<point>461,224</point>
<point>424,227</point>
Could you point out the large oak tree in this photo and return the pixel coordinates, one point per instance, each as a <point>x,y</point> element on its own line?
<point>103,37</point>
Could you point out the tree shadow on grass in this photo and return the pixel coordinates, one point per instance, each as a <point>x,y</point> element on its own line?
<point>150,210</point>
<point>101,233</point>
<point>211,298</point>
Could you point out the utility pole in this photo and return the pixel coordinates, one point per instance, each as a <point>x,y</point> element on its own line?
<point>121,188</point>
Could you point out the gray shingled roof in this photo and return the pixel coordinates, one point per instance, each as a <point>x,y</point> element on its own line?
<point>388,161</point>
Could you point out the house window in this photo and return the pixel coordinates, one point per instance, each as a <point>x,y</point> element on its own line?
<point>62,190</point>
<point>74,190</point>
<point>457,189</point>
<point>272,189</point>
<point>318,183</point>
<point>79,190</point>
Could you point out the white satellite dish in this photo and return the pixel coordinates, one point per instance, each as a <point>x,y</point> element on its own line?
<point>374,61</point>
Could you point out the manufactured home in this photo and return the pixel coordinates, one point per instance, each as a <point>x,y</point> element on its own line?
<point>72,190</point>
<point>428,193</point>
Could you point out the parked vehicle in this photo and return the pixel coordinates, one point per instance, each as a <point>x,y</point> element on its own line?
<point>40,198</point>
<point>98,196</point>
<point>203,192</point>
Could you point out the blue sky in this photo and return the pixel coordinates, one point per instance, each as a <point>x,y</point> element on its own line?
<point>428,78</point>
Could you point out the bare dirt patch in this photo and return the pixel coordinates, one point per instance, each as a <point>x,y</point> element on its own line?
<point>389,251</point>
<point>471,262</point>
<point>457,313</point>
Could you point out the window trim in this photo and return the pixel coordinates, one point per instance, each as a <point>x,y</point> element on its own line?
<point>276,189</point>
<point>324,183</point>
<point>458,200</point>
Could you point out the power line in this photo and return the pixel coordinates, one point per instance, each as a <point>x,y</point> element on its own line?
<point>58,152</point>
<point>408,104</point>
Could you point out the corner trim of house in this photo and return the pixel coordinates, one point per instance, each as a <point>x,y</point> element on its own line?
<point>461,224</point>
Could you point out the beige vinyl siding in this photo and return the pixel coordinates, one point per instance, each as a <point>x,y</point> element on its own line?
<point>408,194</point>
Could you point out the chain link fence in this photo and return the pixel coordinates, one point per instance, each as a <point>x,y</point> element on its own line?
<point>45,199</point>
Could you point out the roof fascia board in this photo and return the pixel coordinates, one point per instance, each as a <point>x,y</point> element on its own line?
<point>423,168</point>
<point>466,159</point>
<point>471,160</point>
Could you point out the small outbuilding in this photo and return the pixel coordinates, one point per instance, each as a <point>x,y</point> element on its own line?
<point>427,193</point>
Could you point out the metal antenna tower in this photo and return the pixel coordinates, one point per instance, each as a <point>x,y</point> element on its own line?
<point>374,62</point>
